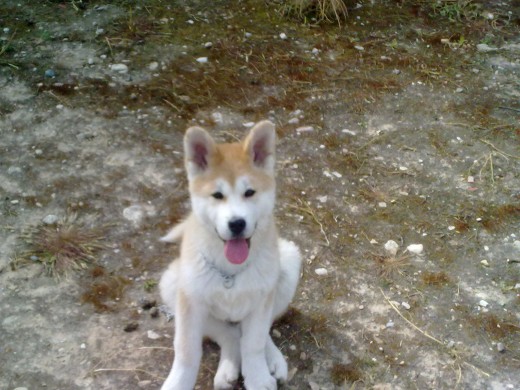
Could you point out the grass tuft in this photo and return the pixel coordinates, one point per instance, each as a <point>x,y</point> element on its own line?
<point>66,245</point>
<point>319,10</point>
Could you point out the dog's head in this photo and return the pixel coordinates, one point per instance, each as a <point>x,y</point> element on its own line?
<point>232,185</point>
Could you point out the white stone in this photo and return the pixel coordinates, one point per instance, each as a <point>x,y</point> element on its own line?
<point>485,263</point>
<point>50,219</point>
<point>304,129</point>
<point>202,60</point>
<point>208,45</point>
<point>359,48</point>
<point>483,303</point>
<point>406,305</point>
<point>134,214</point>
<point>283,36</point>
<point>120,68</point>
<point>321,271</point>
<point>153,335</point>
<point>391,247</point>
<point>415,248</point>
<point>153,66</point>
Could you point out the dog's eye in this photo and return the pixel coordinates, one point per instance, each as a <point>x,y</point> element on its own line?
<point>249,193</point>
<point>218,195</point>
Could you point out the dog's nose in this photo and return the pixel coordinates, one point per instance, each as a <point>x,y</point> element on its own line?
<point>237,226</point>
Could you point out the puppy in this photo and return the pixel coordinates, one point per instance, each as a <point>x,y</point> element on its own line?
<point>234,275</point>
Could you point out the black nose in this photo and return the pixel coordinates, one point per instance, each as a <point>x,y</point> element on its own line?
<point>237,226</point>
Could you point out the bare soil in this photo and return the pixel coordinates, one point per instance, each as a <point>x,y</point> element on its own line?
<point>401,124</point>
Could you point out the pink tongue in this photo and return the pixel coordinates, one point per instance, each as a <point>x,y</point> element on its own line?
<point>236,250</point>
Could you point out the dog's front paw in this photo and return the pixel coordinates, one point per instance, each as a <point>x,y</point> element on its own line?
<point>257,382</point>
<point>226,376</point>
<point>277,365</point>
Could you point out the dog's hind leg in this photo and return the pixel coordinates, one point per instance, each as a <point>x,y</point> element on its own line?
<point>227,336</point>
<point>290,264</point>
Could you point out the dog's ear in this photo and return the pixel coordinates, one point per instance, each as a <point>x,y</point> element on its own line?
<point>260,145</point>
<point>198,148</point>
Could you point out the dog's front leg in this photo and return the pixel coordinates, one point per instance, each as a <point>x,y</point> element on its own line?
<point>255,331</point>
<point>189,322</point>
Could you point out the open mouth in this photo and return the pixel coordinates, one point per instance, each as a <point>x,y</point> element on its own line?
<point>236,250</point>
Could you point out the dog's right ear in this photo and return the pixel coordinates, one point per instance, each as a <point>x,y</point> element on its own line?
<point>198,148</point>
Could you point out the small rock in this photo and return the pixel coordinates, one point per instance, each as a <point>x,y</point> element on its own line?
<point>471,179</point>
<point>451,344</point>
<point>283,36</point>
<point>321,271</point>
<point>248,124</point>
<point>391,247</point>
<point>49,73</point>
<point>303,356</point>
<point>485,48</point>
<point>315,51</point>
<point>21,388</point>
<point>100,31</point>
<point>293,121</point>
<point>459,90</point>
<point>153,335</point>
<point>485,263</point>
<point>147,304</point>
<point>119,68</point>
<point>359,48</point>
<point>83,346</point>
<point>416,249</point>
<point>248,34</point>
<point>50,219</point>
<point>451,227</point>
<point>483,303</point>
<point>276,333</point>
<point>208,45</point>
<point>90,61</point>
<point>501,347</point>
<point>396,71</point>
<point>130,327</point>
<point>153,66</point>
<point>390,324</point>
<point>154,312</point>
<point>134,214</point>
<point>382,205</point>
<point>304,129</point>
<point>406,305</point>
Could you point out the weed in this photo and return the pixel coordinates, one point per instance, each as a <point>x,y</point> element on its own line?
<point>103,292</point>
<point>64,246</point>
<point>342,373</point>
<point>391,265</point>
<point>150,284</point>
<point>457,10</point>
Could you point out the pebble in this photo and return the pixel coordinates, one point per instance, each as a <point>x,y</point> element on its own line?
<point>483,303</point>
<point>501,347</point>
<point>485,48</point>
<point>83,346</point>
<point>293,121</point>
<point>459,90</point>
<point>100,31</point>
<point>50,219</point>
<point>90,61</point>
<point>382,204</point>
<point>153,66</point>
<point>315,51</point>
<point>391,247</point>
<point>147,304</point>
<point>134,214</point>
<point>304,129</point>
<point>321,271</point>
<point>416,249</point>
<point>120,68</point>
<point>360,48</point>
<point>131,326</point>
<point>396,71</point>
<point>248,124</point>
<point>283,36</point>
<point>276,333</point>
<point>390,324</point>
<point>49,73</point>
<point>451,344</point>
<point>485,263</point>
<point>153,335</point>
<point>208,45</point>
<point>154,312</point>
<point>406,305</point>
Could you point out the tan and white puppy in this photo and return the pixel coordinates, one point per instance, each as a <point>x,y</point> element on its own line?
<point>234,275</point>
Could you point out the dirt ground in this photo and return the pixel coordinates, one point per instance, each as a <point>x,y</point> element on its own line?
<point>401,124</point>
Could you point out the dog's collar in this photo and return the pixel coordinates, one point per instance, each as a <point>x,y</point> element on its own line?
<point>228,279</point>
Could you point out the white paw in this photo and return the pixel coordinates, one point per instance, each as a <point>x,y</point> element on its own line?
<point>226,376</point>
<point>277,364</point>
<point>257,382</point>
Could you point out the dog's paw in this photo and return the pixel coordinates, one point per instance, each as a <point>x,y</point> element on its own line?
<point>277,364</point>
<point>226,376</point>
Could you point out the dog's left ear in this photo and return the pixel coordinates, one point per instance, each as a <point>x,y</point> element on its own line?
<point>260,145</point>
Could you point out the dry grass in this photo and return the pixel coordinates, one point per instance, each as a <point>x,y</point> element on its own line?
<point>66,245</point>
<point>321,10</point>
